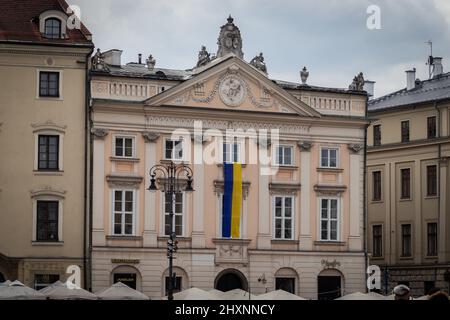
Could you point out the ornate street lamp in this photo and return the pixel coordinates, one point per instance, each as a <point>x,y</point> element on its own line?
<point>171,180</point>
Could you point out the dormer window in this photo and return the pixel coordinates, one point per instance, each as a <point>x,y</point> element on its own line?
<point>52,28</point>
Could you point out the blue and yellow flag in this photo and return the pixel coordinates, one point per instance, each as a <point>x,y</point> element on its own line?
<point>232,200</point>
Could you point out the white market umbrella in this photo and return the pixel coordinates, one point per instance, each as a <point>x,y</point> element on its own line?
<point>236,294</point>
<point>120,291</point>
<point>18,291</point>
<point>358,296</point>
<point>66,291</point>
<point>194,294</point>
<point>376,295</point>
<point>278,295</point>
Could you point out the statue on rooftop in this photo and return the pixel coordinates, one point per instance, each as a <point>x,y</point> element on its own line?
<point>229,40</point>
<point>258,63</point>
<point>98,61</point>
<point>203,57</point>
<point>358,83</point>
<point>304,74</point>
<point>151,62</point>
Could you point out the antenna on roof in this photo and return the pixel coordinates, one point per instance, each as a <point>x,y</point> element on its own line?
<point>430,58</point>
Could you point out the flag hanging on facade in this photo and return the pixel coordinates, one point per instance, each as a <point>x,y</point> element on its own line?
<point>232,200</point>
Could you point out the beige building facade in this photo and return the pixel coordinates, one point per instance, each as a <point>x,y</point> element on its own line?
<point>408,184</point>
<point>43,199</point>
<point>302,225</point>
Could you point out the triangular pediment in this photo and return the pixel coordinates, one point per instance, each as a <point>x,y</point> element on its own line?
<point>231,83</point>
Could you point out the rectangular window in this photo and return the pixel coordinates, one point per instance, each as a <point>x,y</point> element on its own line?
<point>173,149</point>
<point>406,240</point>
<point>328,157</point>
<point>431,127</point>
<point>406,183</point>
<point>48,84</point>
<point>47,221</point>
<point>377,135</point>
<point>286,284</point>
<point>123,212</point>
<point>284,213</point>
<point>124,147</point>
<point>432,239</point>
<point>176,207</point>
<point>44,280</point>
<point>329,219</point>
<point>283,156</point>
<point>231,153</point>
<point>376,179</point>
<point>432,180</point>
<point>176,287</point>
<point>48,152</point>
<point>377,250</point>
<point>405,131</point>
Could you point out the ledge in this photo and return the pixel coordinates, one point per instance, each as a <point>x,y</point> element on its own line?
<point>231,240</point>
<point>220,165</point>
<point>167,161</point>
<point>284,187</point>
<point>123,180</point>
<point>116,237</point>
<point>179,238</point>
<point>329,188</point>
<point>376,201</point>
<point>124,159</point>
<point>47,243</point>
<point>325,169</point>
<point>47,173</point>
<point>281,167</point>
<point>330,243</point>
<point>283,241</point>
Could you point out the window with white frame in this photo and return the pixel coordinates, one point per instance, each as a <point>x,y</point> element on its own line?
<point>283,217</point>
<point>173,149</point>
<point>329,157</point>
<point>124,147</point>
<point>230,152</point>
<point>329,219</point>
<point>124,207</point>
<point>173,203</point>
<point>284,155</point>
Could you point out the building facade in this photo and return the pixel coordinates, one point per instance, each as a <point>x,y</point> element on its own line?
<point>408,183</point>
<point>302,221</point>
<point>43,68</point>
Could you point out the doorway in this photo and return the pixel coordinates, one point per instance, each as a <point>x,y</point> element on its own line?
<point>329,287</point>
<point>230,279</point>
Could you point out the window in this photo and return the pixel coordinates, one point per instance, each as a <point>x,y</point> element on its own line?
<point>286,284</point>
<point>177,285</point>
<point>44,280</point>
<point>52,28</point>
<point>431,127</point>
<point>176,207</point>
<point>376,179</point>
<point>126,278</point>
<point>284,212</point>
<point>329,218</point>
<point>173,149</point>
<point>405,131</point>
<point>377,250</point>
<point>432,239</point>
<point>284,155</point>
<point>377,135</point>
<point>406,240</point>
<point>123,212</point>
<point>124,147</point>
<point>406,183</point>
<point>328,157</point>
<point>231,152</point>
<point>427,286</point>
<point>47,221</point>
<point>48,152</point>
<point>432,180</point>
<point>48,84</point>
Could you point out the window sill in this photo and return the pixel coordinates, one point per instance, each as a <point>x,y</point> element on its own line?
<point>167,161</point>
<point>127,237</point>
<point>285,167</point>
<point>284,241</point>
<point>431,197</point>
<point>49,98</point>
<point>376,201</point>
<point>329,169</point>
<point>124,159</point>
<point>243,165</point>
<point>329,243</point>
<point>47,243</point>
<point>431,257</point>
<point>377,258</point>
<point>179,238</point>
<point>406,258</point>
<point>405,200</point>
<point>48,173</point>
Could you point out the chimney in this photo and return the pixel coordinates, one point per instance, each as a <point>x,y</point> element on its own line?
<point>113,57</point>
<point>410,79</point>
<point>369,87</point>
<point>437,67</point>
<point>140,58</point>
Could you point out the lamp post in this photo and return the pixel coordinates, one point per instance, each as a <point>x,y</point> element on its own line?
<point>171,181</point>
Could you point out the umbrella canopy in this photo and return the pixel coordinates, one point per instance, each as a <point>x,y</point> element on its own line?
<point>358,296</point>
<point>236,294</point>
<point>278,295</point>
<point>120,291</point>
<point>18,291</point>
<point>67,291</point>
<point>194,294</point>
<point>376,295</point>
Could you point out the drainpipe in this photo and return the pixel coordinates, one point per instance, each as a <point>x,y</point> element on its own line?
<point>438,134</point>
<point>366,256</point>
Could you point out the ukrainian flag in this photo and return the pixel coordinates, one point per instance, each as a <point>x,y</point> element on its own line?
<point>232,200</point>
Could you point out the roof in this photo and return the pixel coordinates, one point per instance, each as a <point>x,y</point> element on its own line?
<point>437,88</point>
<point>19,22</point>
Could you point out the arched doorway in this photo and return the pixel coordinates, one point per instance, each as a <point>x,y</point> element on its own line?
<point>128,275</point>
<point>230,279</point>
<point>286,279</point>
<point>329,284</point>
<point>2,277</point>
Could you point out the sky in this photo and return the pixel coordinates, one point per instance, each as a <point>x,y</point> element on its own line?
<point>329,37</point>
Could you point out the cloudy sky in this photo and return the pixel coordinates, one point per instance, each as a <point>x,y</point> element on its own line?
<point>329,37</point>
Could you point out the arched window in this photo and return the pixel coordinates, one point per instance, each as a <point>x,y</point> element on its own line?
<point>52,28</point>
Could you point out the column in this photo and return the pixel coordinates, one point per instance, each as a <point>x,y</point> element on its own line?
<point>356,204</point>
<point>98,188</point>
<point>264,204</point>
<point>443,255</point>
<point>198,228</point>
<point>417,194</point>
<point>305,237</point>
<point>150,235</point>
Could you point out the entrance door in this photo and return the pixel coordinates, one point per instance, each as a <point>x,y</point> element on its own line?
<point>2,278</point>
<point>229,281</point>
<point>329,287</point>
<point>126,278</point>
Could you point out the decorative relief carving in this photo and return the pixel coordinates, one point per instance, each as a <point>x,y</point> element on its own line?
<point>330,264</point>
<point>47,191</point>
<point>355,147</point>
<point>231,250</point>
<point>219,185</point>
<point>48,125</point>
<point>285,188</point>
<point>100,87</point>
<point>150,136</point>
<point>99,133</point>
<point>329,189</point>
<point>305,145</point>
<point>232,90</point>
<point>124,181</point>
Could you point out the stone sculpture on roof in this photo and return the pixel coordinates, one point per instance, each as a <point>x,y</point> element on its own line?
<point>258,63</point>
<point>98,62</point>
<point>358,83</point>
<point>304,74</point>
<point>151,62</point>
<point>203,57</point>
<point>229,40</point>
